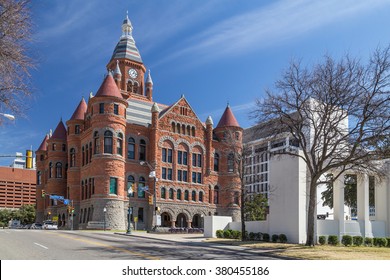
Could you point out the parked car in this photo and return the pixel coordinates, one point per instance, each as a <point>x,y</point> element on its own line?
<point>49,225</point>
<point>36,226</point>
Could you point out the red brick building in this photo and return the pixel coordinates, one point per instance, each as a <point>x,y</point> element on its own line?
<point>114,141</point>
<point>17,187</point>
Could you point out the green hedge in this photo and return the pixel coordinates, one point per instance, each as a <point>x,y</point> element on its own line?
<point>368,241</point>
<point>380,241</point>
<point>322,240</point>
<point>357,240</point>
<point>346,240</point>
<point>333,240</point>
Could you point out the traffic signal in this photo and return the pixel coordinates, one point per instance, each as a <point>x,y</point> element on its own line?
<point>43,193</point>
<point>150,200</point>
<point>72,210</point>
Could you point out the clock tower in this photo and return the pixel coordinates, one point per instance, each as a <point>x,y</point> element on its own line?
<point>127,66</point>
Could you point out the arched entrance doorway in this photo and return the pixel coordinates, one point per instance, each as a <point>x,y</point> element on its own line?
<point>165,220</point>
<point>181,221</point>
<point>197,221</point>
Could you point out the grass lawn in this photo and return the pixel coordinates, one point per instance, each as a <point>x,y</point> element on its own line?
<point>320,252</point>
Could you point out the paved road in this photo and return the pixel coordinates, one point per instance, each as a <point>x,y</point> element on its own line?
<point>83,245</point>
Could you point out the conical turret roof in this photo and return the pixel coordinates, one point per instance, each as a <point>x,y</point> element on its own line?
<point>109,88</point>
<point>59,132</point>
<point>43,146</point>
<point>80,111</point>
<point>228,119</point>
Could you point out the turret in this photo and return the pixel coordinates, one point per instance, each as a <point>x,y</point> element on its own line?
<point>149,87</point>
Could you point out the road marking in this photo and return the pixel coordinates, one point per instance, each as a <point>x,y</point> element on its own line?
<point>40,245</point>
<point>146,256</point>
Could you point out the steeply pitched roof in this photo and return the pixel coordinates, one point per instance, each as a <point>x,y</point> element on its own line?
<point>59,132</point>
<point>43,146</point>
<point>228,119</point>
<point>80,111</point>
<point>109,88</point>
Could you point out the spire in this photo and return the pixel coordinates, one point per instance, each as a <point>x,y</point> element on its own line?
<point>80,111</point>
<point>117,70</point>
<point>126,47</point>
<point>228,118</point>
<point>149,78</point>
<point>155,108</point>
<point>108,88</point>
<point>59,132</point>
<point>43,146</point>
<point>209,120</point>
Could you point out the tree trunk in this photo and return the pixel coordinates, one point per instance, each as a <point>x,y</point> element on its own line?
<point>311,214</point>
<point>243,236</point>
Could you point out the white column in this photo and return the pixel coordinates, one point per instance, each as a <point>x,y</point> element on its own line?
<point>338,203</point>
<point>363,205</point>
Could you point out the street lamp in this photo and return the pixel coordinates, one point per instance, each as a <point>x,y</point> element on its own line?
<point>8,116</point>
<point>104,218</point>
<point>152,174</point>
<point>129,194</point>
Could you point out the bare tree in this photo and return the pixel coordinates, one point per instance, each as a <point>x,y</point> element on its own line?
<point>338,113</point>
<point>15,64</point>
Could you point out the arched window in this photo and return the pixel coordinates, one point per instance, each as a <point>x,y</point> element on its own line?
<point>83,156</point>
<point>142,150</point>
<point>50,170</point>
<point>141,187</point>
<point>236,198</point>
<point>135,87</point>
<point>230,162</point>
<point>108,142</point>
<point>131,148</point>
<point>216,162</point>
<point>119,144</point>
<point>170,193</point>
<point>178,128</point>
<point>39,177</point>
<point>58,170</point>
<point>130,86</point>
<point>193,196</point>
<point>216,195</point>
<point>178,194</point>
<point>186,195</point>
<point>90,151</point>
<point>54,146</point>
<point>163,193</point>
<point>82,190</point>
<point>201,196</point>
<point>96,142</point>
<point>72,156</point>
<point>173,127</point>
<point>130,184</point>
<point>86,154</point>
<point>193,131</point>
<point>188,130</point>
<point>64,147</point>
<point>183,128</point>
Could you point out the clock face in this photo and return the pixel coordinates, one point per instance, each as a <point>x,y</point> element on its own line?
<point>133,73</point>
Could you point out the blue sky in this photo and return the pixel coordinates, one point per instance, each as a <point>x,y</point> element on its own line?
<point>213,52</point>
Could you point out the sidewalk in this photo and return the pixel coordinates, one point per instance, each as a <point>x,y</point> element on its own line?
<point>177,237</point>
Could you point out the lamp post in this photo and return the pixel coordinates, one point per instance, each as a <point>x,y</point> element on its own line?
<point>8,116</point>
<point>104,218</point>
<point>152,174</point>
<point>130,193</point>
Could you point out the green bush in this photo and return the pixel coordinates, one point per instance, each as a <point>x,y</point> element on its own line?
<point>275,238</point>
<point>282,238</point>
<point>357,240</point>
<point>236,234</point>
<point>346,240</point>
<point>333,240</point>
<point>251,236</point>
<point>380,241</point>
<point>219,233</point>
<point>258,236</point>
<point>388,241</point>
<point>266,237</point>
<point>322,240</point>
<point>368,241</point>
<point>227,233</point>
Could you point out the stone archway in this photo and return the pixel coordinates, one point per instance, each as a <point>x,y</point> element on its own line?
<point>181,221</point>
<point>197,221</point>
<point>165,219</point>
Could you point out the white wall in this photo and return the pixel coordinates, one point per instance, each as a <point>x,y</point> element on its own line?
<point>287,198</point>
<point>214,223</point>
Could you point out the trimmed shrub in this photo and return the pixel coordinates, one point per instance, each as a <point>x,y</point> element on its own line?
<point>258,236</point>
<point>333,240</point>
<point>322,240</point>
<point>357,240</point>
<point>266,237</point>
<point>275,238</point>
<point>282,238</point>
<point>236,234</point>
<point>368,241</point>
<point>219,233</point>
<point>227,233</point>
<point>380,241</point>
<point>388,241</point>
<point>346,240</point>
<point>252,236</point>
